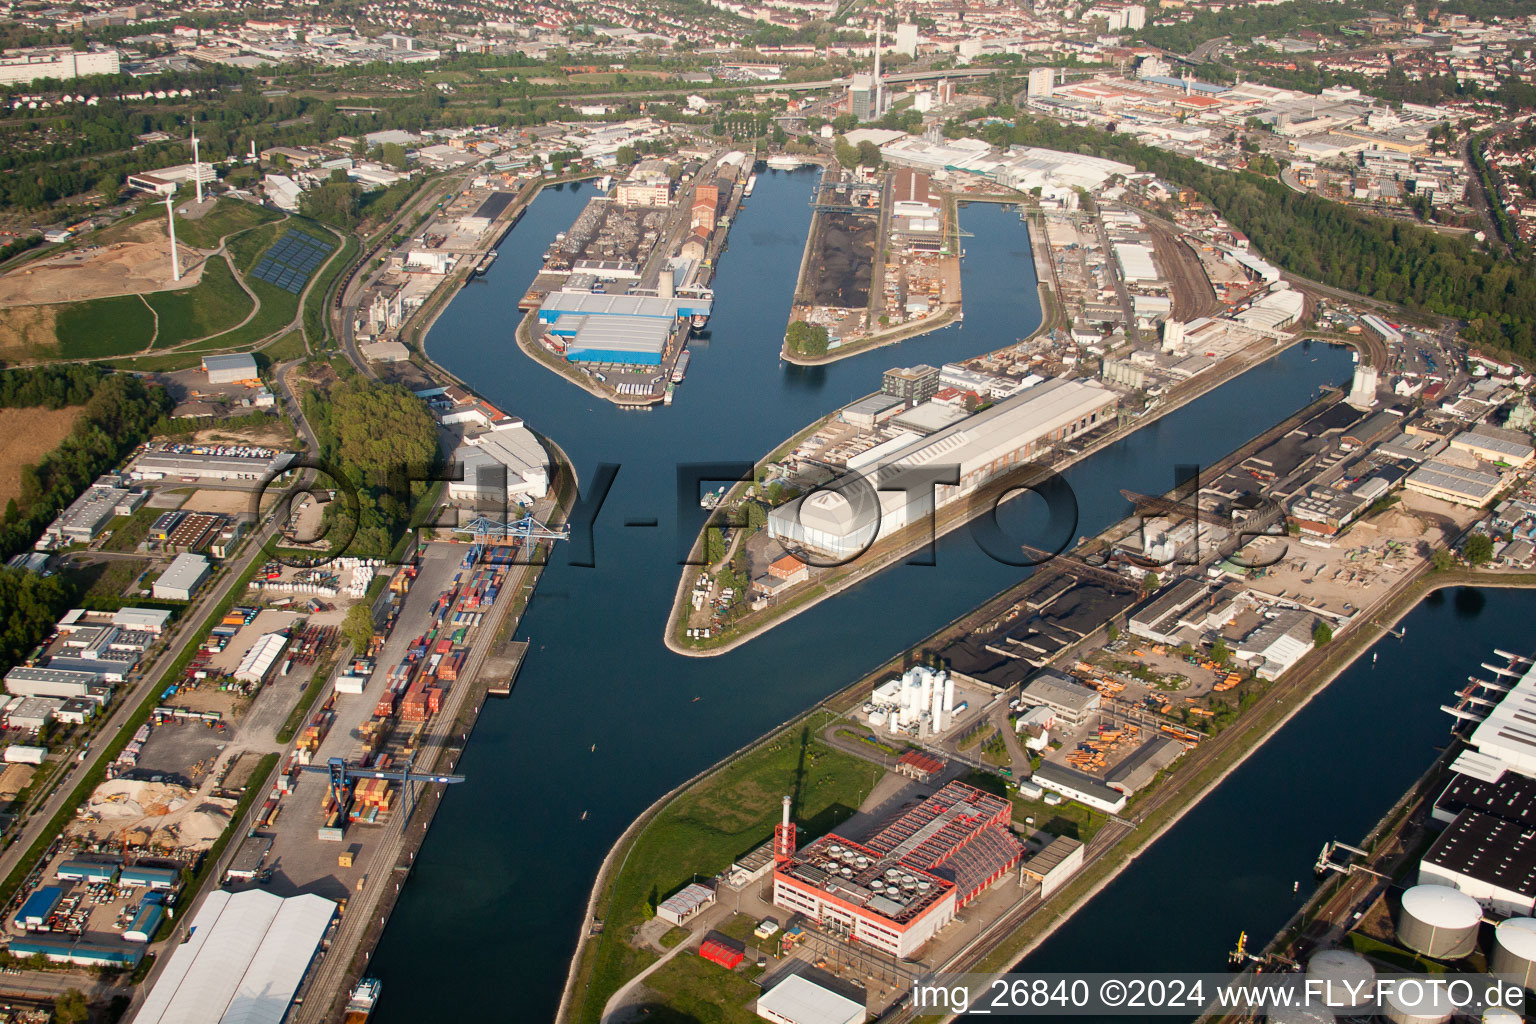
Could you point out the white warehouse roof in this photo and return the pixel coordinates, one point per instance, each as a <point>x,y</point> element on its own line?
<point>1507,733</point>
<point>258,661</point>
<point>243,961</point>
<point>802,1001</point>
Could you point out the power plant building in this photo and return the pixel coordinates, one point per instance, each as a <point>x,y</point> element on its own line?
<point>896,890</point>
<point>845,517</point>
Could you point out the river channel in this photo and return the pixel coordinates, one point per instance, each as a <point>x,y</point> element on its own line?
<point>488,922</point>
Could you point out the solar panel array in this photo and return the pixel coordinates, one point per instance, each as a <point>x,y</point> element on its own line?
<point>291,260</point>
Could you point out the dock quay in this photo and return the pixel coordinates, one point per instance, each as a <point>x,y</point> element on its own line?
<point>506,674</point>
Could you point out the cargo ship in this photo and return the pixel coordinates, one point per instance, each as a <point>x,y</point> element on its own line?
<point>485,263</point>
<point>362,1001</point>
<point>751,184</point>
<point>680,370</point>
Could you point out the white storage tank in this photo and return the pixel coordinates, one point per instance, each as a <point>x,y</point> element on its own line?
<point>1439,921</point>
<point>1310,1014</point>
<point>1418,1004</point>
<point>1348,979</point>
<point>1514,951</point>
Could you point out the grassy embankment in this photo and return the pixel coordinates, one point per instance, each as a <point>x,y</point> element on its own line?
<point>706,827</point>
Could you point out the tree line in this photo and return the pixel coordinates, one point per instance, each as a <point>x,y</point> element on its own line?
<point>1316,238</point>
<point>119,413</point>
<point>381,438</point>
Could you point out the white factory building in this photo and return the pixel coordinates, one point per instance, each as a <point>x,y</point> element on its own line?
<point>843,519</point>
<point>243,961</point>
<point>235,368</point>
<point>1507,733</point>
<point>920,698</point>
<point>19,67</point>
<point>181,578</point>
<point>510,446</point>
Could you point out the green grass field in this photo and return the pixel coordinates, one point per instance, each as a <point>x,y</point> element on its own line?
<point>712,824</point>
<point>112,326</point>
<point>697,990</point>
<point>215,305</point>
<point>289,346</point>
<point>247,248</point>
<point>226,217</point>
<point>278,307</point>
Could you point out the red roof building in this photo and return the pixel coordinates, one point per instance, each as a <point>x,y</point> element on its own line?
<point>719,949</point>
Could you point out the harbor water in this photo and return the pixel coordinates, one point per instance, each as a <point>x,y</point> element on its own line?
<point>494,907</point>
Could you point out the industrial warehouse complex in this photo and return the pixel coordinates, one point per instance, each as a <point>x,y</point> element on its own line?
<point>847,517</point>
<point>622,329</point>
<point>899,887</point>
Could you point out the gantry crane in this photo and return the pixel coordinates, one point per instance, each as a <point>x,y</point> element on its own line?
<point>528,529</point>
<point>342,775</point>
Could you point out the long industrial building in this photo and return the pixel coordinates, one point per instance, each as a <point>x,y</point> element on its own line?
<point>243,961</point>
<point>624,329</point>
<point>898,888</point>
<point>509,447</point>
<point>847,517</point>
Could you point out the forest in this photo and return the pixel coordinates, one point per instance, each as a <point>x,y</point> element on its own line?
<point>119,413</point>
<point>1327,242</point>
<point>381,437</point>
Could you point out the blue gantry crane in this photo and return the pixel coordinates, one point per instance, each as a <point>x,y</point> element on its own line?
<point>342,775</point>
<point>527,529</point>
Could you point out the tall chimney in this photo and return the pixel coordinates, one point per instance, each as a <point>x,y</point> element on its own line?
<point>784,838</point>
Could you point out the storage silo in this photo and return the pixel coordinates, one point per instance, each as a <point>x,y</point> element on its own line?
<point>1310,1014</point>
<point>1514,951</point>
<point>1439,921</point>
<point>1501,1015</point>
<point>1418,1003</point>
<point>1348,979</point>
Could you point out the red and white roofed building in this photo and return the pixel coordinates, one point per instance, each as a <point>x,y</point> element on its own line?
<point>897,889</point>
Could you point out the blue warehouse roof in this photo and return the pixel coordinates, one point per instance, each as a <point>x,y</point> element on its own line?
<point>570,303</point>
<point>39,905</point>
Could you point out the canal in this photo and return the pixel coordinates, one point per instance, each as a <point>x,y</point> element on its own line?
<point>492,912</point>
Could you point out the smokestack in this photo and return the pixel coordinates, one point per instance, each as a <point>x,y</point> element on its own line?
<point>784,838</point>
<point>879,32</point>
<point>170,219</point>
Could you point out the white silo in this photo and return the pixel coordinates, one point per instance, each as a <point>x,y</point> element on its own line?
<point>1309,1014</point>
<point>949,692</point>
<point>936,707</point>
<point>927,678</point>
<point>1412,1001</point>
<point>1348,979</point>
<point>1514,951</point>
<point>1439,921</point>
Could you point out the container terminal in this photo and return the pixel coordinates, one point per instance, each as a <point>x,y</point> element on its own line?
<point>623,289</point>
